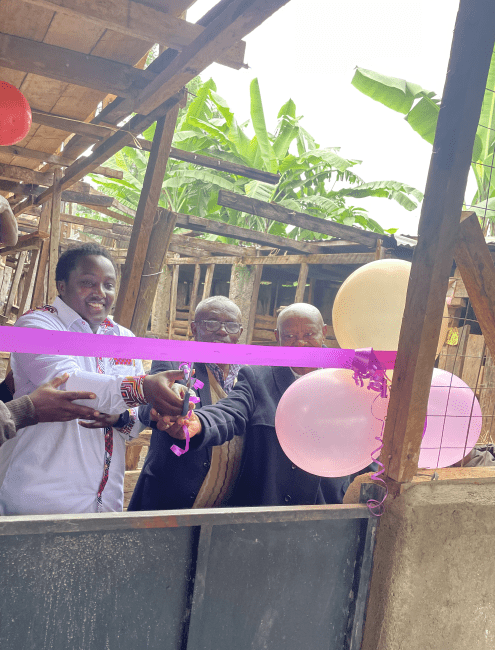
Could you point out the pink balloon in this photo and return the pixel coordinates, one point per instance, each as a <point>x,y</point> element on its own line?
<point>325,423</point>
<point>453,421</point>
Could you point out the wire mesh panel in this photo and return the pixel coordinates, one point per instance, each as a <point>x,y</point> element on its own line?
<point>466,356</point>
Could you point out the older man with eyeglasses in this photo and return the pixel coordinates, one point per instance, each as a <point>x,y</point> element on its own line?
<point>267,477</point>
<point>204,479</point>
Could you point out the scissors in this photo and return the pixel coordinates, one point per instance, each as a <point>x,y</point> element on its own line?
<point>189,385</point>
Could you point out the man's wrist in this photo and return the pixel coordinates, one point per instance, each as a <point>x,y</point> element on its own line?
<point>123,420</point>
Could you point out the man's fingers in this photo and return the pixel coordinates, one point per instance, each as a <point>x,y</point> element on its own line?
<point>58,381</point>
<point>174,375</point>
<point>91,425</point>
<point>73,395</point>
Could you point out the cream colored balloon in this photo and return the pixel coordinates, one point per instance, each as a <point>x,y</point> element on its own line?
<point>369,306</point>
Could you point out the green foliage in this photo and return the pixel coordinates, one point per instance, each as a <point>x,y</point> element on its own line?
<point>315,180</point>
<point>421,108</point>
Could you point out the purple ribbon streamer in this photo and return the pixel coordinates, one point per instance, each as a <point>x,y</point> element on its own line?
<point>366,366</point>
<point>197,384</point>
<point>373,504</point>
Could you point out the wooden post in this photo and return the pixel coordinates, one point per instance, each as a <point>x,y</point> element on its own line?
<point>160,315</point>
<point>145,215</point>
<point>15,284</point>
<point>210,270</point>
<point>54,234</point>
<point>153,266</point>
<point>487,399</point>
<point>28,284</point>
<point>244,289</point>
<point>379,250</point>
<point>38,298</point>
<point>477,269</point>
<point>301,282</point>
<point>311,292</point>
<point>438,231</point>
<point>173,300</point>
<point>194,298</point>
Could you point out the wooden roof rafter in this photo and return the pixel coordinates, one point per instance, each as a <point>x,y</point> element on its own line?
<point>139,20</point>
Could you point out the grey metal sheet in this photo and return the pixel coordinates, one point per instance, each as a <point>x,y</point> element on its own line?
<point>268,578</point>
<point>93,591</point>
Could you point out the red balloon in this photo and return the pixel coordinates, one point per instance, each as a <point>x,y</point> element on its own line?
<point>15,115</point>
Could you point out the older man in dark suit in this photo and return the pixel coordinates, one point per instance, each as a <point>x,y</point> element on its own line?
<point>267,477</point>
<point>204,478</point>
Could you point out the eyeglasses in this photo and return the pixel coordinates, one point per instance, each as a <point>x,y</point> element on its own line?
<point>231,327</point>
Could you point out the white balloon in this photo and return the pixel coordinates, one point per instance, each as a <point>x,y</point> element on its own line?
<point>369,307</point>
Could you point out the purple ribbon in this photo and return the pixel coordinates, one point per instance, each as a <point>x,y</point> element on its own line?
<point>35,341</point>
<point>366,366</point>
<point>192,398</point>
<point>373,504</point>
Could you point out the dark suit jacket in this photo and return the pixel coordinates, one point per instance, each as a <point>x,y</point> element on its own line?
<point>267,477</point>
<point>168,482</point>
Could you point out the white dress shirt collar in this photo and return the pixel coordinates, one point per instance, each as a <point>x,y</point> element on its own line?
<point>68,316</point>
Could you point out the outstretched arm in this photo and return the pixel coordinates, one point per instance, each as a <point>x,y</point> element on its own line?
<point>214,425</point>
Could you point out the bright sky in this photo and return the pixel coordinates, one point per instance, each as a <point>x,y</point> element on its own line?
<point>308,51</point>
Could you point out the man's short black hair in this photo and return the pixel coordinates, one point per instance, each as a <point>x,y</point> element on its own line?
<point>67,262</point>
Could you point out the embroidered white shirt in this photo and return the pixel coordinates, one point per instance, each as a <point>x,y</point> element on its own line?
<point>56,468</point>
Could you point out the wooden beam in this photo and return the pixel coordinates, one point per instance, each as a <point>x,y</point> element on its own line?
<point>110,146</point>
<point>194,296</point>
<point>116,111</point>
<point>238,19</point>
<point>187,251</point>
<point>177,154</point>
<point>141,21</point>
<point>301,282</point>
<point>24,175</point>
<point>258,272</point>
<point>109,213</point>
<point>145,215</point>
<point>25,243</point>
<point>69,196</point>
<point>299,219</point>
<point>216,163</point>
<point>54,236</point>
<point>285,260</point>
<point>211,246</point>
<point>152,269</point>
<point>208,281</point>
<point>38,297</point>
<point>86,221</point>
<point>470,57</point>
<point>72,67</point>
<point>474,261</point>
<point>225,166</point>
<point>30,277</point>
<point>173,299</point>
<point>15,283</point>
<point>200,224</point>
<point>94,131</point>
<point>87,199</point>
<point>56,159</point>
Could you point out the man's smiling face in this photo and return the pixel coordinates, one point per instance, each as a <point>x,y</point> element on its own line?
<point>90,289</point>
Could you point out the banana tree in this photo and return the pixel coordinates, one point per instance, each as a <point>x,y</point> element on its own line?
<point>313,179</point>
<point>421,107</point>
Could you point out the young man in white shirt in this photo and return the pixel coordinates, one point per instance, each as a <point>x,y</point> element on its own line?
<point>74,467</point>
<point>45,404</point>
